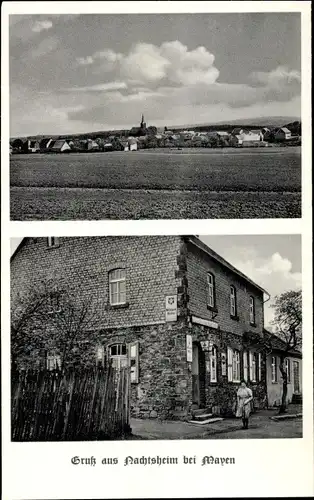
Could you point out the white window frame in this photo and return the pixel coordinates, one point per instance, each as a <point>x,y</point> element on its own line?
<point>259,366</point>
<point>213,364</point>
<point>119,360</point>
<point>245,366</point>
<point>274,369</point>
<point>54,303</point>
<point>236,375</point>
<point>288,369</point>
<point>252,310</point>
<point>254,367</point>
<point>211,289</point>
<point>233,301</point>
<point>117,281</point>
<point>230,364</point>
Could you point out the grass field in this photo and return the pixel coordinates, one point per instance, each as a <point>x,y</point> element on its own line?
<point>157,185</point>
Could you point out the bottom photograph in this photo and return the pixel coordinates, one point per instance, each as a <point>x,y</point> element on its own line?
<point>156,337</point>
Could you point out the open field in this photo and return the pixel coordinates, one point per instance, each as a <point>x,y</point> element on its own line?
<point>157,185</point>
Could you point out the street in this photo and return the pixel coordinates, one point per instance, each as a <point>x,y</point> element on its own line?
<point>261,426</point>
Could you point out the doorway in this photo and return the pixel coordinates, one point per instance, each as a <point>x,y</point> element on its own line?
<point>198,375</point>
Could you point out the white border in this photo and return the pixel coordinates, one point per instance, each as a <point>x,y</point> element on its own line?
<point>263,468</point>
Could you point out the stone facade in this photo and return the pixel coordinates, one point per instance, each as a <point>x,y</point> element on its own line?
<point>156,267</point>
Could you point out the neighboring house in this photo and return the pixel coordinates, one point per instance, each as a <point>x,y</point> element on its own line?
<point>60,146</point>
<point>45,144</point>
<point>239,131</point>
<point>274,378</point>
<point>283,134</point>
<point>108,146</point>
<point>32,145</point>
<point>267,134</point>
<point>189,321</point>
<point>131,144</point>
<point>92,145</point>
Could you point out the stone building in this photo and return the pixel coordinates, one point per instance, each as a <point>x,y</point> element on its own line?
<point>186,320</point>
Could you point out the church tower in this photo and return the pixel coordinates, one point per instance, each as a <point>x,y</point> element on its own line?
<point>143,124</point>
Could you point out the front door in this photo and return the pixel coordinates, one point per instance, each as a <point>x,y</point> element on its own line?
<point>198,376</point>
<point>296,377</point>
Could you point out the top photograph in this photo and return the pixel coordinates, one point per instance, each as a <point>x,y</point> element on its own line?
<point>155,116</point>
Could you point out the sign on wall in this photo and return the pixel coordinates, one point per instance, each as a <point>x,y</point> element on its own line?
<point>205,345</point>
<point>189,349</point>
<point>171,308</point>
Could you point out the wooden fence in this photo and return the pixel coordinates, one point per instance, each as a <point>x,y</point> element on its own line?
<point>70,406</point>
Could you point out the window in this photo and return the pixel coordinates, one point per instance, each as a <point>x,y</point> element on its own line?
<point>245,366</point>
<point>288,369</point>
<point>259,361</point>
<point>233,365</point>
<point>233,301</point>
<point>213,365</point>
<point>117,287</point>
<point>274,369</point>
<point>230,361</point>
<point>253,366</point>
<point>236,367</point>
<point>118,355</point>
<point>53,362</point>
<point>52,241</point>
<point>252,310</point>
<point>211,289</point>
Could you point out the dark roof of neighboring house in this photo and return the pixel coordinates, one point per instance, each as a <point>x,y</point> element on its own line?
<point>58,144</point>
<point>43,143</point>
<point>198,243</point>
<point>283,129</point>
<point>279,345</point>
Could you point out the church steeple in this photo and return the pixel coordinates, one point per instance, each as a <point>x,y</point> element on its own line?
<point>143,124</point>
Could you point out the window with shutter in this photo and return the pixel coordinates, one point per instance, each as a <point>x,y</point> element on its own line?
<point>251,365</point>
<point>236,367</point>
<point>233,301</point>
<point>259,367</point>
<point>118,355</point>
<point>252,310</point>
<point>230,363</point>
<point>134,362</point>
<point>245,366</point>
<point>274,369</point>
<point>211,289</point>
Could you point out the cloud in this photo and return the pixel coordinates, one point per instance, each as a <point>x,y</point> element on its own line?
<point>273,273</point>
<point>42,26</point>
<point>276,78</point>
<point>101,87</point>
<point>146,63</point>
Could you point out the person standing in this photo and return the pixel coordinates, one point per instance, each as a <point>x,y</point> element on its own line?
<point>244,398</point>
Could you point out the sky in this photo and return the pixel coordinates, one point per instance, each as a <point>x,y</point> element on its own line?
<point>271,261</point>
<point>80,73</point>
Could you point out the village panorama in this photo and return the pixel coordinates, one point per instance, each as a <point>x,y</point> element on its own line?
<point>208,171</point>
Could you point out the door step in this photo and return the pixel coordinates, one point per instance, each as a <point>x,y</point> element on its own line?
<point>202,416</point>
<point>204,422</point>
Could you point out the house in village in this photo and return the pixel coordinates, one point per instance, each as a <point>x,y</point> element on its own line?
<point>131,144</point>
<point>60,146</point>
<point>282,134</point>
<point>293,366</point>
<point>45,144</point>
<point>189,322</point>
